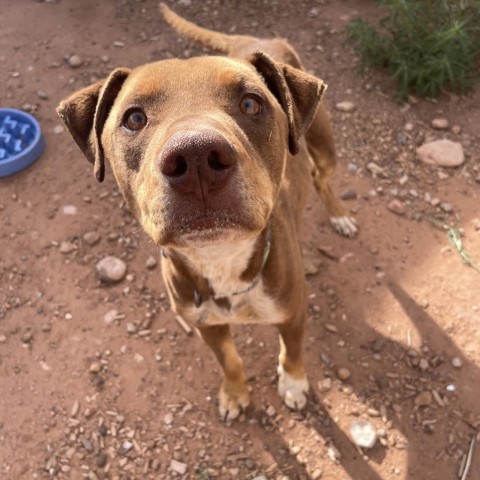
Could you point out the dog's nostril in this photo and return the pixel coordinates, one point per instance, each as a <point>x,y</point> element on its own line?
<point>215,162</point>
<point>175,168</point>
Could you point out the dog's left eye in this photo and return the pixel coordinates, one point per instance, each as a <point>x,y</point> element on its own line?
<point>250,105</point>
<point>135,120</point>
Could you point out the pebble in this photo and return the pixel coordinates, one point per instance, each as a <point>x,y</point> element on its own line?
<point>110,316</point>
<point>126,447</point>
<point>456,362</point>
<point>168,419</point>
<point>348,195</point>
<point>91,238</point>
<point>70,210</point>
<point>75,61</point>
<point>317,474</point>
<point>95,367</point>
<point>476,224</point>
<point>363,433</point>
<point>423,399</point>
<point>408,127</point>
<point>111,269</point>
<point>446,207</point>
<point>442,153</point>
<point>178,467</point>
<point>58,129</point>
<point>271,412</point>
<point>440,123</point>
<point>67,247</point>
<point>101,459</point>
<point>376,170</point>
<point>329,327</point>
<point>3,338</point>
<point>343,374</point>
<point>261,477</point>
<point>396,206</point>
<point>346,106</point>
<point>151,262</point>
<point>325,385</point>
<point>352,168</point>
<point>42,95</point>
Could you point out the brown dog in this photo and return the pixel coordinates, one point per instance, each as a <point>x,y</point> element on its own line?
<point>210,156</point>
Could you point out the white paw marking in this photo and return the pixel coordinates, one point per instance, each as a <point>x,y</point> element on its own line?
<point>230,405</point>
<point>346,226</point>
<point>292,390</point>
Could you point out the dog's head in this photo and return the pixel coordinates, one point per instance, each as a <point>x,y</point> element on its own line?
<point>198,147</point>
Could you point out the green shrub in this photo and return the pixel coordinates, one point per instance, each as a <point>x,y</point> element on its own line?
<point>428,45</point>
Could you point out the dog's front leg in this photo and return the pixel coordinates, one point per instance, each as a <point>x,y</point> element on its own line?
<point>292,381</point>
<point>233,396</point>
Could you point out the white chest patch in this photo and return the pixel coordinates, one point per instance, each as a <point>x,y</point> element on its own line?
<point>222,267</point>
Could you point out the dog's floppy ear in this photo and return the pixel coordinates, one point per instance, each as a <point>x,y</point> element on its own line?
<point>85,113</point>
<point>298,92</point>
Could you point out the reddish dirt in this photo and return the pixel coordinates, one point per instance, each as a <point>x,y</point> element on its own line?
<point>394,306</point>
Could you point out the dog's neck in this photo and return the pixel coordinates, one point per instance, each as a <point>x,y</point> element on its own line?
<point>233,268</point>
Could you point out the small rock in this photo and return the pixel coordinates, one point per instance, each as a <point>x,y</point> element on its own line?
<point>126,447</point>
<point>87,444</point>
<point>105,58</point>
<point>408,127</point>
<point>476,224</point>
<point>442,153</point>
<point>442,175</point>
<point>346,106</point>
<point>111,269</point>
<point>396,206</point>
<point>446,207</point>
<point>440,123</point>
<point>376,170</point>
<point>110,316</point>
<point>75,61</point>
<point>423,364</point>
<point>42,95</point>
<point>118,43</point>
<point>329,327</point>
<point>131,327</point>
<point>178,467</point>
<point>168,418</point>
<point>3,339</point>
<point>67,247</point>
<point>101,459</point>
<point>316,474</point>
<point>343,374</point>
<point>363,433</point>
<point>95,367</point>
<point>377,345</point>
<point>456,362</point>
<point>91,238</point>
<point>352,168</point>
<point>70,210</point>
<point>260,477</point>
<point>325,385</point>
<point>423,399</point>
<point>27,337</point>
<point>271,412</point>
<point>348,195</point>
<point>151,262</point>
<point>58,129</point>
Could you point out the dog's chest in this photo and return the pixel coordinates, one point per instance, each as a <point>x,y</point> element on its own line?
<point>235,300</point>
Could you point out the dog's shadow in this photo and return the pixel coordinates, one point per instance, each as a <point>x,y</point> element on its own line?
<point>357,464</point>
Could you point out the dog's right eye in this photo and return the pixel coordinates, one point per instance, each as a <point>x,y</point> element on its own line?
<point>134,120</point>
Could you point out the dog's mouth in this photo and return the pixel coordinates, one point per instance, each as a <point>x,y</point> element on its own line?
<point>206,228</point>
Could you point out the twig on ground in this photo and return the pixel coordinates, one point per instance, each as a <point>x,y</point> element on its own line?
<point>185,326</point>
<point>469,459</point>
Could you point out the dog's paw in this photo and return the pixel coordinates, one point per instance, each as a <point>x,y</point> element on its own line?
<point>232,400</point>
<point>346,226</point>
<point>292,390</point>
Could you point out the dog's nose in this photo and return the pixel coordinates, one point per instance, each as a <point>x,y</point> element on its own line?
<point>197,160</point>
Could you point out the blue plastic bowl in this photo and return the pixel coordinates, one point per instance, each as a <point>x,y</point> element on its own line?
<point>21,141</point>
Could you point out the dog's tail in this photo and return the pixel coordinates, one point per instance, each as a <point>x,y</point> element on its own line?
<point>216,41</point>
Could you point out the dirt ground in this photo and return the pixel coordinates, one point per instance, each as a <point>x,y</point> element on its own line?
<point>101,382</point>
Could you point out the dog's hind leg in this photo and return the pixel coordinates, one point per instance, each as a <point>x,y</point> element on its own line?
<point>321,147</point>
<point>233,396</point>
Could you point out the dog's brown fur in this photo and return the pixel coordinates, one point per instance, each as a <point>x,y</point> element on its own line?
<point>219,188</point>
